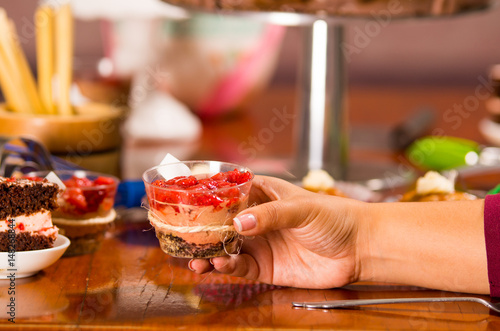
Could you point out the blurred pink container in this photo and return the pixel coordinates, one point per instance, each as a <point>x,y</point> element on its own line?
<point>213,64</point>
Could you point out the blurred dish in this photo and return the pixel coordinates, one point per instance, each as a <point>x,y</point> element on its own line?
<point>337,9</point>
<point>216,65</point>
<point>95,127</point>
<point>478,179</point>
<point>490,131</point>
<point>28,263</point>
<point>436,187</point>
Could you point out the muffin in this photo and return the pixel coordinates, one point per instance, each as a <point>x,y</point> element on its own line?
<point>435,187</point>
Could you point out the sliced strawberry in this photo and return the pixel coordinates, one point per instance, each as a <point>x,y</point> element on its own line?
<point>220,177</point>
<point>186,182</point>
<point>101,180</point>
<point>75,197</point>
<point>189,190</point>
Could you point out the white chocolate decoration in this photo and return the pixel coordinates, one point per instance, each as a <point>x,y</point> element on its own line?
<point>53,178</point>
<point>433,182</point>
<point>175,170</point>
<point>318,179</point>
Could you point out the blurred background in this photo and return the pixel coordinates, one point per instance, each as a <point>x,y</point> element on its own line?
<point>443,51</point>
<point>211,65</point>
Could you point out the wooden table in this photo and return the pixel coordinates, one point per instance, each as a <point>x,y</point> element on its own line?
<point>131,284</point>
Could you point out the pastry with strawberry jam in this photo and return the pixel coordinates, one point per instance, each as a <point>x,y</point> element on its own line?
<point>85,209</point>
<point>193,215</point>
<point>435,187</point>
<point>25,214</point>
<point>320,181</point>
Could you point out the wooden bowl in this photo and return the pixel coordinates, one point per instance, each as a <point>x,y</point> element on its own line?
<point>94,128</point>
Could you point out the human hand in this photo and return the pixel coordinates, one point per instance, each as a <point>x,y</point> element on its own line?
<point>302,239</point>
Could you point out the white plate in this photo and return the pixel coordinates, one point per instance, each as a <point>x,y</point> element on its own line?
<point>28,263</point>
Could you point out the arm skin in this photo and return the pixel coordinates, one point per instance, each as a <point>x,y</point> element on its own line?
<point>310,240</point>
<point>438,245</point>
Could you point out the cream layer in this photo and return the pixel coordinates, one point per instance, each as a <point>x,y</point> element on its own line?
<point>40,222</point>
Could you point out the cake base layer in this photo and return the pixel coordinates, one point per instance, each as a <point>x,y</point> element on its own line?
<point>178,247</point>
<point>75,228</point>
<point>26,241</point>
<point>85,235</point>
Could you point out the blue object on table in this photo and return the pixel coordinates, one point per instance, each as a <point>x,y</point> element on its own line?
<point>130,193</point>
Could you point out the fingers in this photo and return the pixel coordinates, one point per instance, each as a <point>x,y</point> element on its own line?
<point>200,266</point>
<point>274,215</point>
<point>242,265</point>
<point>265,189</point>
<point>282,205</point>
<point>254,262</point>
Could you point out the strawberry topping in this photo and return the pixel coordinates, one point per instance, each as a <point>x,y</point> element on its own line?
<point>212,191</point>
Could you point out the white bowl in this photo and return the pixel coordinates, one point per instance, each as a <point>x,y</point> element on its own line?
<point>28,263</point>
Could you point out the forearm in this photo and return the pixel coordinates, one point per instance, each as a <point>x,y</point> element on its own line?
<point>431,244</point>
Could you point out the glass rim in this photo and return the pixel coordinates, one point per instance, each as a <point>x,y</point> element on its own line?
<point>147,183</point>
<point>116,180</point>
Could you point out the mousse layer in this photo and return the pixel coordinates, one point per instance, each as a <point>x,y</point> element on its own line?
<point>32,232</point>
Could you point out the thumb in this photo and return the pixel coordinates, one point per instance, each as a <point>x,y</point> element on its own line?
<point>269,216</point>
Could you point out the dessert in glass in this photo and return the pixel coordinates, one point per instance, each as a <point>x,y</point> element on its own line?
<point>192,206</point>
<point>85,208</point>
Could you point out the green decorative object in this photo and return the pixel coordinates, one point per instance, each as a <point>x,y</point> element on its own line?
<point>494,190</point>
<point>443,153</point>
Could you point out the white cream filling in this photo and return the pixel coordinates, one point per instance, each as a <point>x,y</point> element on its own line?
<point>40,222</point>
<point>433,182</point>
<point>96,220</point>
<point>159,224</point>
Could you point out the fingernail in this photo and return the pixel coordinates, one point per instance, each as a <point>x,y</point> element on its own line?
<point>189,265</point>
<point>245,222</point>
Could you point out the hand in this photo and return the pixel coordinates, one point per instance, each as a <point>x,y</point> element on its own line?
<point>302,239</point>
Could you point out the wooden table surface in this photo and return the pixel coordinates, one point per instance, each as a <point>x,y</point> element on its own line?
<point>131,284</point>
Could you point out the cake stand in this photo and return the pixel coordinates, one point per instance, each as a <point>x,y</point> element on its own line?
<point>322,141</point>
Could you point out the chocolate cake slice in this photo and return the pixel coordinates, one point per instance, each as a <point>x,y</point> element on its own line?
<point>25,214</point>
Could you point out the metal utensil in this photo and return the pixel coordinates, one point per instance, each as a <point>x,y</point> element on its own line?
<point>363,302</point>
<point>19,154</point>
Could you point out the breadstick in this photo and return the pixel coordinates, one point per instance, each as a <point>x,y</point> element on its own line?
<point>44,18</point>
<point>10,73</point>
<point>64,57</point>
<point>27,80</point>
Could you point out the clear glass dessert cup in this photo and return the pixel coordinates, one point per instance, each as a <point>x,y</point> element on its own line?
<point>87,195</point>
<point>191,220</point>
<point>85,211</point>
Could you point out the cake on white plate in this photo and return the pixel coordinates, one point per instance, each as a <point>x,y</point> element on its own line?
<point>25,214</point>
